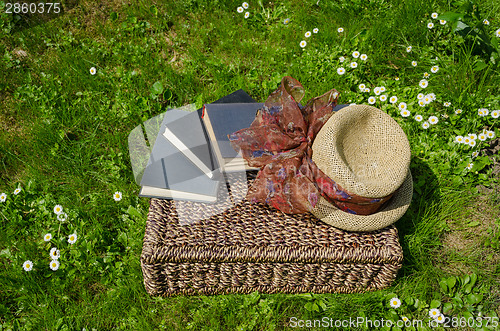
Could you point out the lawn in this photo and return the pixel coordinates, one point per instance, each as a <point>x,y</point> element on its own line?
<point>74,84</point>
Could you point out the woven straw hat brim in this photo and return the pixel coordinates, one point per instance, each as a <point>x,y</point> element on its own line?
<point>392,212</point>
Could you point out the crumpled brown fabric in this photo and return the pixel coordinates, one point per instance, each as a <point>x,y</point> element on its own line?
<point>279,142</point>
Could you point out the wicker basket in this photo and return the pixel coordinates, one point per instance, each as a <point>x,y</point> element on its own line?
<point>252,247</point>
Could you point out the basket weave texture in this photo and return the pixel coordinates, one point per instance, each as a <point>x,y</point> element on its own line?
<point>252,247</point>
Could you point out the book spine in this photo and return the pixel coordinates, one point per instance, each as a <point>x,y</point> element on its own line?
<point>213,141</point>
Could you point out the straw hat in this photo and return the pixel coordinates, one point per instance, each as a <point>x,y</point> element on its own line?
<point>367,153</point>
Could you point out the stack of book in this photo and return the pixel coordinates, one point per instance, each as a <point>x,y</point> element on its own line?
<point>192,152</point>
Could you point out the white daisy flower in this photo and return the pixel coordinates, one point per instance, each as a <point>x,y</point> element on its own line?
<point>372,100</point>
<point>434,69</point>
<point>420,96</point>
<point>377,90</point>
<point>426,75</point>
<point>497,33</point>
<point>433,120</point>
<point>440,319</point>
<point>362,87</point>
<point>414,63</point>
<point>395,303</point>
<point>402,105</point>
<point>405,113</point>
<point>434,15</point>
<point>54,265</point>
<point>363,57</point>
<point>486,22</point>
<point>383,97</point>
<point>393,99</point>
<point>408,49</point>
<point>355,54</point>
<point>427,99</point>
<point>244,5</point>
<point>247,14</point>
<point>47,237</point>
<point>308,34</point>
<point>495,113</point>
<point>430,25</point>
<point>27,265</point>
<point>367,90</point>
<point>315,30</point>
<point>72,238</point>
<point>341,71</point>
<point>58,209</point>
<point>434,313</point>
<point>472,136</point>
<point>3,197</point>
<point>421,103</point>
<point>482,111</point>
<point>442,22</point>
<point>458,111</point>
<point>425,125</point>
<point>482,136</point>
<point>240,10</point>
<point>382,88</point>
<point>459,139</point>
<point>341,59</point>
<point>419,118</point>
<point>447,104</point>
<point>354,65</point>
<point>93,71</point>
<point>404,319</point>
<point>286,21</point>
<point>54,253</point>
<point>397,78</point>
<point>340,30</point>
<point>490,134</point>
<point>17,191</point>
<point>62,217</point>
<point>303,43</point>
<point>469,167</point>
<point>472,143</point>
<point>432,96</point>
<point>475,154</point>
<point>444,115</point>
<point>423,83</point>
<point>117,196</point>
<point>466,140</point>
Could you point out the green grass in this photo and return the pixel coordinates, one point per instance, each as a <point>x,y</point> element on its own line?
<point>63,140</point>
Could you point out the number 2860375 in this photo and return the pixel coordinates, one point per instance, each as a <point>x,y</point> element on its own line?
<point>33,8</point>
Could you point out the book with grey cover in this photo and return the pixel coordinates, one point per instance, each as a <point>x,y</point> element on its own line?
<point>223,119</point>
<point>170,173</point>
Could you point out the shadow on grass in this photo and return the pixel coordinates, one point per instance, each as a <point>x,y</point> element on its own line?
<point>426,198</point>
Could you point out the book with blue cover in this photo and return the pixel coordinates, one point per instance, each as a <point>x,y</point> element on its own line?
<point>170,173</point>
<point>220,121</point>
<point>182,164</point>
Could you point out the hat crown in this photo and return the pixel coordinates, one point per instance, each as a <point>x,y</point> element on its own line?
<point>363,150</point>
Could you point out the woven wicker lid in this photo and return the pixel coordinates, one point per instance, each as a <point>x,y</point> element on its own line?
<point>367,153</point>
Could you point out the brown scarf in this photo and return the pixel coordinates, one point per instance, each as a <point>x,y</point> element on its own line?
<point>279,142</point>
